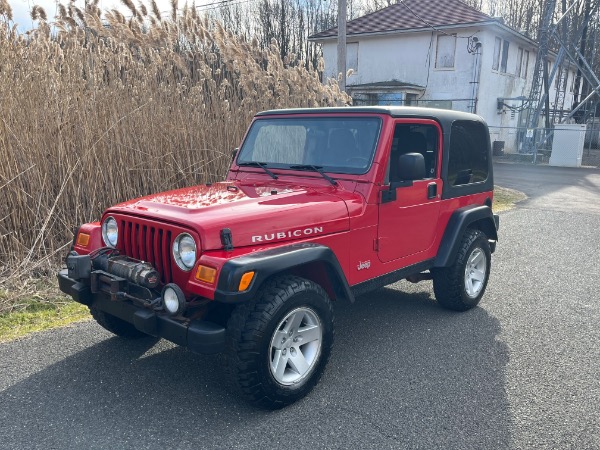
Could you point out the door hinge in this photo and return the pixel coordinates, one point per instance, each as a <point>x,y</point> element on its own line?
<point>376,244</point>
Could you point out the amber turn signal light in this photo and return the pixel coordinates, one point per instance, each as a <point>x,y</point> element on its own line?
<point>207,274</point>
<point>83,239</point>
<point>245,281</point>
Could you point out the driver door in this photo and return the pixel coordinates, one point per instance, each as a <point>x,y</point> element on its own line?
<point>408,222</point>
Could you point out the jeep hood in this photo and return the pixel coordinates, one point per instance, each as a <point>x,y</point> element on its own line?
<point>256,214</point>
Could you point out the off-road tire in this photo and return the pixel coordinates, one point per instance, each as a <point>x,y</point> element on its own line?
<point>449,283</point>
<point>251,330</point>
<point>115,325</point>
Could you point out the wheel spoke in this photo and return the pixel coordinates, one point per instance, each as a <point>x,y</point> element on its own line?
<point>278,339</point>
<point>478,258</point>
<point>279,363</point>
<point>309,333</point>
<point>469,283</point>
<point>298,363</point>
<point>294,322</point>
<point>478,275</point>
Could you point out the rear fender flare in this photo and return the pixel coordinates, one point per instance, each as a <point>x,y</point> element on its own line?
<point>478,217</point>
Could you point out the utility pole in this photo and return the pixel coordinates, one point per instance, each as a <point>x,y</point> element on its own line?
<point>341,49</point>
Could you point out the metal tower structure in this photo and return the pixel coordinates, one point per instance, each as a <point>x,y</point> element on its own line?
<point>563,71</point>
<point>540,71</point>
<point>568,55</point>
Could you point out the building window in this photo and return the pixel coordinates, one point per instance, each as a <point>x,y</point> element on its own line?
<point>352,56</point>
<point>519,61</point>
<point>504,60</point>
<point>496,60</point>
<point>446,49</point>
<point>525,64</point>
<point>410,99</point>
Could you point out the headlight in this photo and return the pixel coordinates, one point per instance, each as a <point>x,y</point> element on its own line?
<point>184,251</point>
<point>110,232</point>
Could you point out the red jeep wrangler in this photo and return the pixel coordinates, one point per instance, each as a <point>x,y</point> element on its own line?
<point>319,205</point>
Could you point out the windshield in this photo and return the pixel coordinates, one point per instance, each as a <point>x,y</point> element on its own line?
<point>339,145</point>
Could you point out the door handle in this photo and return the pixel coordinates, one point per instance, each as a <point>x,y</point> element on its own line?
<point>431,190</point>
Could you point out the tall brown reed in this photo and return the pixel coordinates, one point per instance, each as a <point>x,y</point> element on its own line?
<point>96,108</point>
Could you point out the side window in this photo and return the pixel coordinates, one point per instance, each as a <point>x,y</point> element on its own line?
<point>414,138</point>
<point>468,154</point>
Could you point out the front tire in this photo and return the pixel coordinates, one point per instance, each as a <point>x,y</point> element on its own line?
<point>278,344</point>
<point>461,286</point>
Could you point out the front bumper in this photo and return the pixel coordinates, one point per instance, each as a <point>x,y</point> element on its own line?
<point>200,336</point>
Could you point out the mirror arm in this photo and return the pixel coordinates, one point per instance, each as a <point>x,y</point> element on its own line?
<point>389,195</point>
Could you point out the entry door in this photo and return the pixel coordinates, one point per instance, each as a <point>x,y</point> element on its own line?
<point>408,224</point>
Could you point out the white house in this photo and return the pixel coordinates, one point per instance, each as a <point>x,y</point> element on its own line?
<point>445,54</point>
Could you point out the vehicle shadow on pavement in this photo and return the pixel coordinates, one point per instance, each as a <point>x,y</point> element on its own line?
<point>404,373</point>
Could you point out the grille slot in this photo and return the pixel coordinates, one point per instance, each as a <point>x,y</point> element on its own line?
<point>148,243</point>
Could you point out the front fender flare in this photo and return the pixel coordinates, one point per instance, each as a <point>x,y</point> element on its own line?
<point>267,263</point>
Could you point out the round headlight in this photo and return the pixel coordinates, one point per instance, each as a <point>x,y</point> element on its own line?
<point>110,232</point>
<point>184,251</point>
<point>173,299</point>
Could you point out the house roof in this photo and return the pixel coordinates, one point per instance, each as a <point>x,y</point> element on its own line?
<point>411,15</point>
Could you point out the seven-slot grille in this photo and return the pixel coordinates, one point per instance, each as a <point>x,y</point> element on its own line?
<point>148,242</point>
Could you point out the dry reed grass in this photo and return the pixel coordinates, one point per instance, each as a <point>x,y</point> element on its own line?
<point>97,108</point>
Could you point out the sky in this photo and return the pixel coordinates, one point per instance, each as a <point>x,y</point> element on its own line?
<point>21,8</point>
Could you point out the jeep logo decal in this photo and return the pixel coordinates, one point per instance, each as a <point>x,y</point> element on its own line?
<point>363,265</point>
<point>287,234</point>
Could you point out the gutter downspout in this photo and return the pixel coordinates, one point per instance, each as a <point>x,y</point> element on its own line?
<point>476,77</point>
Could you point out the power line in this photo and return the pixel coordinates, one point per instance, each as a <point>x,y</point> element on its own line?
<point>223,3</point>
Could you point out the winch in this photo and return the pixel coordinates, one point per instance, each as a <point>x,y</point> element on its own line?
<point>109,260</point>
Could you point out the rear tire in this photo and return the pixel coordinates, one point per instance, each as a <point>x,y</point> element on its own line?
<point>115,325</point>
<point>460,286</point>
<point>278,344</point>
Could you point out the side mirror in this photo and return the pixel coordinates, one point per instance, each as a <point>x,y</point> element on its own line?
<point>411,166</point>
<point>234,153</point>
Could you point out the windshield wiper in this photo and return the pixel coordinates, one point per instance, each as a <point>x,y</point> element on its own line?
<point>262,165</point>
<point>318,169</point>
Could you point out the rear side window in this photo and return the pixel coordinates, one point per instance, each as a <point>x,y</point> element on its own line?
<point>468,159</point>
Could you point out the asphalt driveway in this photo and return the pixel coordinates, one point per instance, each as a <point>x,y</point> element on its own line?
<point>520,371</point>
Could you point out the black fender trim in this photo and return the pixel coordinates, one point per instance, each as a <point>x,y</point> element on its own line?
<point>460,220</point>
<point>270,262</point>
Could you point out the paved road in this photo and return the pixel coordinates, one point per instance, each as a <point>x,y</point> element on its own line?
<point>520,371</point>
